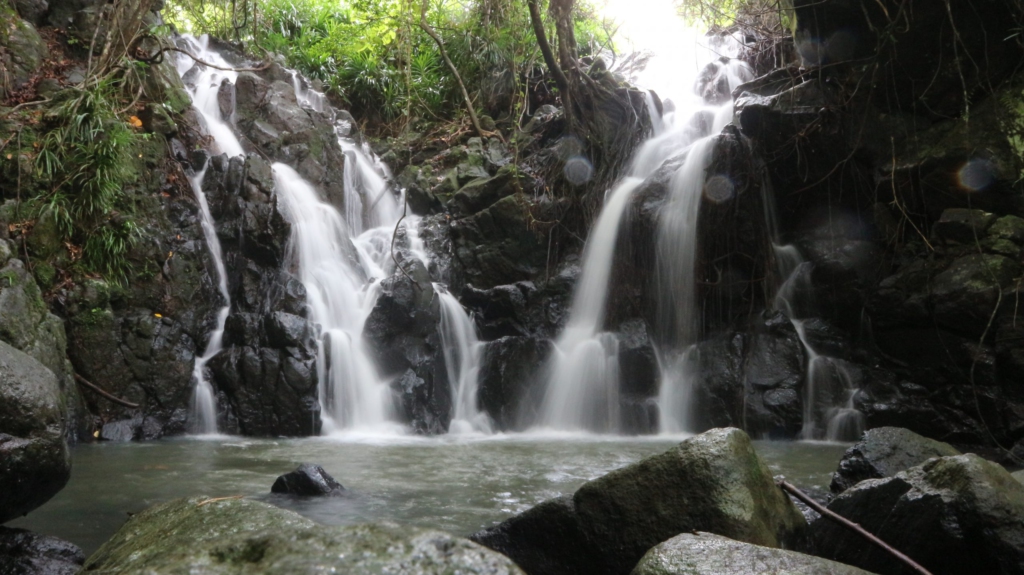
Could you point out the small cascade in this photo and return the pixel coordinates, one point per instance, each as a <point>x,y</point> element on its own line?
<point>827,378</point>
<point>340,297</point>
<point>204,89</point>
<point>583,375</point>
<point>463,355</point>
<point>583,379</point>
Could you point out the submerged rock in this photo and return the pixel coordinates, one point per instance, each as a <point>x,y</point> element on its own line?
<point>712,482</point>
<point>953,515</point>
<point>884,452</point>
<point>214,536</point>
<point>25,553</point>
<point>307,479</point>
<point>709,554</point>
<point>34,459</point>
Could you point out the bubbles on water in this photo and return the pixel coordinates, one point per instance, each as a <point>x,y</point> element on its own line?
<point>578,170</point>
<point>719,188</point>
<point>976,175</point>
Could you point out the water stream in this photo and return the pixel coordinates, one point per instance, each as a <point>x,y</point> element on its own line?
<point>203,88</point>
<point>456,483</point>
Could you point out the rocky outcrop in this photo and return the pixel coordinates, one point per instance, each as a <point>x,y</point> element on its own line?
<point>884,452</point>
<point>266,373</point>
<point>34,459</point>
<point>713,482</point>
<point>22,50</point>
<point>953,515</point>
<point>26,553</point>
<point>229,536</point>
<point>27,325</point>
<point>307,480</point>
<point>708,554</point>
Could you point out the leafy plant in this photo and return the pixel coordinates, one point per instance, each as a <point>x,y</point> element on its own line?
<point>85,160</point>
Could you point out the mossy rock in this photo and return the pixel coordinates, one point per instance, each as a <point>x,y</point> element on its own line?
<point>712,482</point>
<point>708,554</point>
<point>235,536</point>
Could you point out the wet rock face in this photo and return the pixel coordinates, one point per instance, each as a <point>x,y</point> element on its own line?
<point>919,71</point>
<point>229,536</point>
<point>24,552</point>
<point>713,482</point>
<point>308,480</point>
<point>753,379</point>
<point>955,515</point>
<point>884,452</point>
<point>34,459</point>
<point>266,374</point>
<point>403,331</point>
<point>707,554</point>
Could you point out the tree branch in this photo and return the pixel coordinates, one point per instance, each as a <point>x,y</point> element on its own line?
<point>104,393</point>
<point>455,72</point>
<point>851,525</point>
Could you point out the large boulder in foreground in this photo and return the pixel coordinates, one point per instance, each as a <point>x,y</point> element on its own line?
<point>713,482</point>
<point>25,553</point>
<point>709,554</point>
<point>954,515</point>
<point>34,460</point>
<point>222,536</point>
<point>884,452</point>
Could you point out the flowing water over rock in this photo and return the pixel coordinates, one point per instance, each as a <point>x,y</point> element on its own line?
<point>204,87</point>
<point>463,354</point>
<point>583,376</point>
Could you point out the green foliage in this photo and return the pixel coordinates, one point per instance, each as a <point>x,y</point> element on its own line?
<point>372,54</point>
<point>84,162</point>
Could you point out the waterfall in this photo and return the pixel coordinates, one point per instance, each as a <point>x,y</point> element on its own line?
<point>825,376</point>
<point>582,377</point>
<point>463,355</point>
<point>204,91</point>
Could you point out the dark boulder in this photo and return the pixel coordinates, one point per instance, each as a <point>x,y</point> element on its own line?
<point>307,480</point>
<point>884,452</point>
<point>953,515</point>
<point>714,482</point>
<point>25,553</point>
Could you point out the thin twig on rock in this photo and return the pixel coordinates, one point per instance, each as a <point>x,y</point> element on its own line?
<point>825,512</point>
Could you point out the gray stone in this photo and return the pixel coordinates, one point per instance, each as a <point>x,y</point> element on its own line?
<point>200,535</point>
<point>956,515</point>
<point>708,554</point>
<point>32,10</point>
<point>713,482</point>
<point>22,51</point>
<point>34,460</point>
<point>884,452</point>
<point>25,553</point>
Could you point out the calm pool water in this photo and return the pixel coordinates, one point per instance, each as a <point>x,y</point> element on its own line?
<point>455,483</point>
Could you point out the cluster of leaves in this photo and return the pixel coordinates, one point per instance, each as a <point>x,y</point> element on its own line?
<point>84,162</point>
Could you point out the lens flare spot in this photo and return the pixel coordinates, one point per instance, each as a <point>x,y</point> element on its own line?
<point>578,170</point>
<point>976,175</point>
<point>719,188</point>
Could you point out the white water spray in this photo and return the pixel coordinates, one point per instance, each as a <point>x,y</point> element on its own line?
<point>204,97</point>
<point>463,356</point>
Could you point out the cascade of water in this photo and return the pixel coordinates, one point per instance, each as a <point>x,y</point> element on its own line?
<point>825,377</point>
<point>463,354</point>
<point>204,90</point>
<point>340,297</point>
<point>583,375</point>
